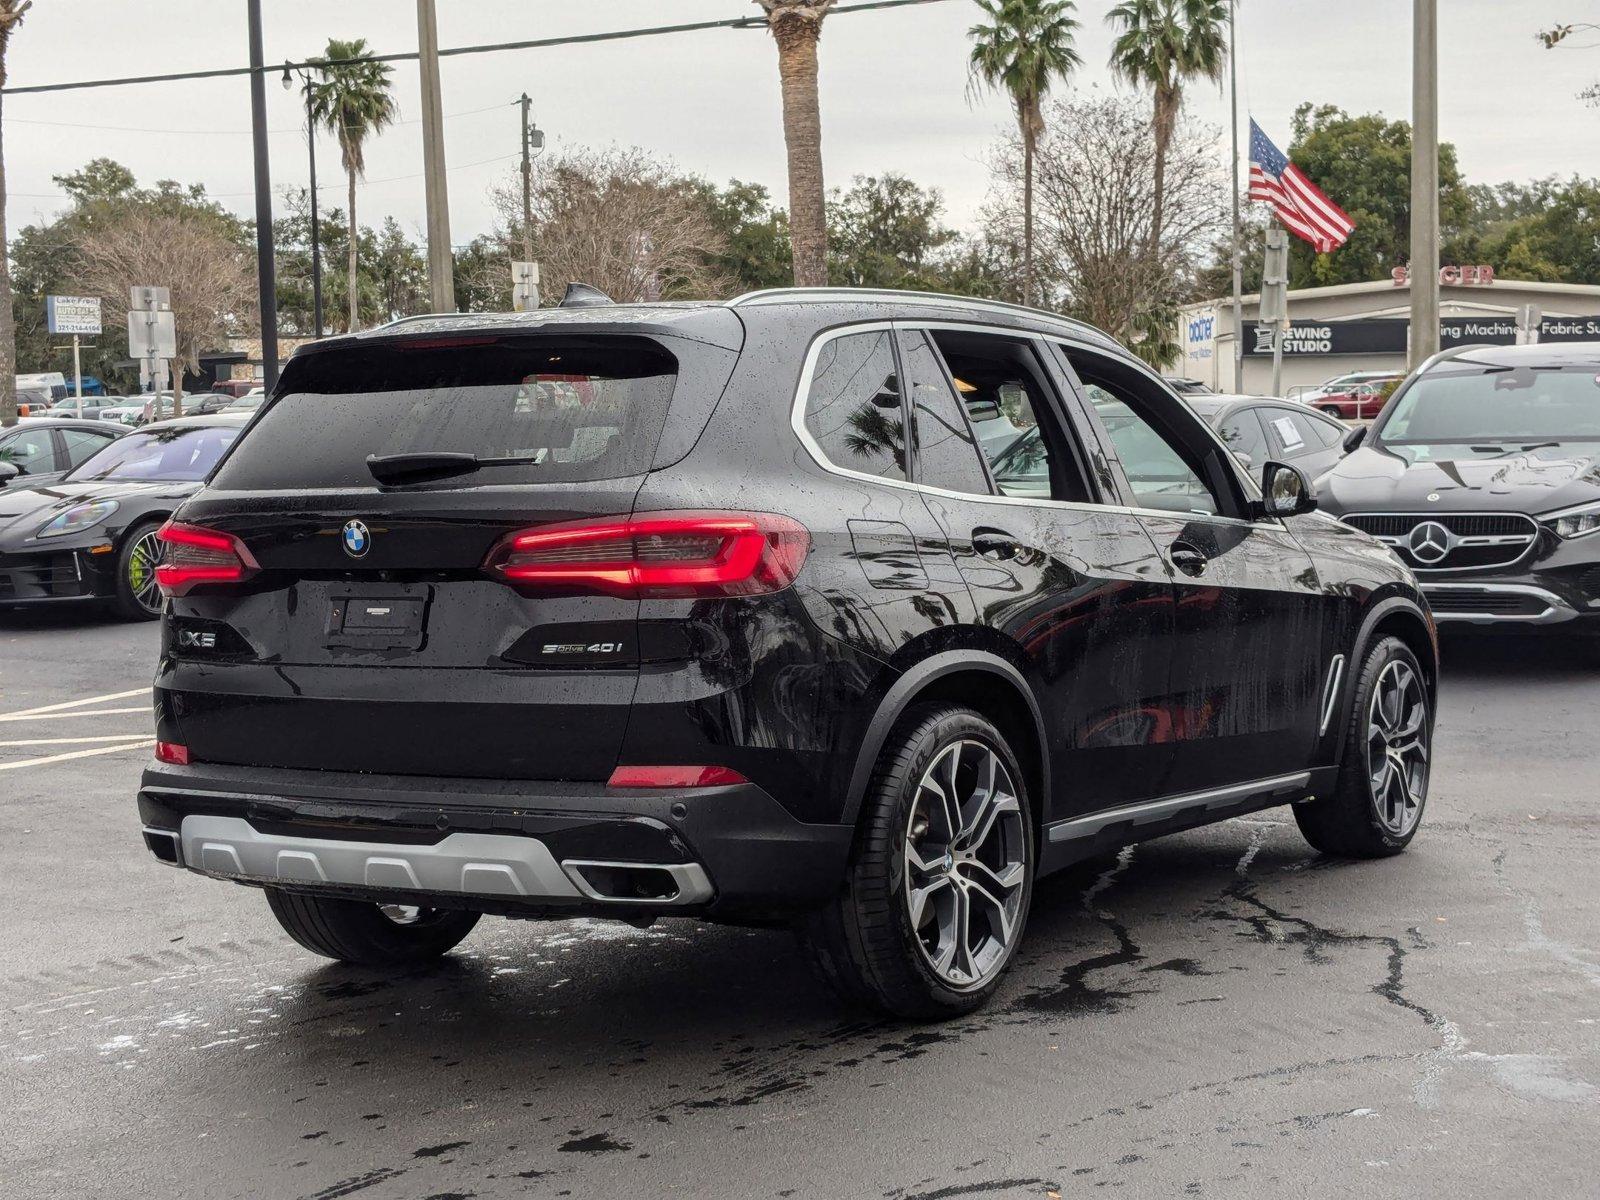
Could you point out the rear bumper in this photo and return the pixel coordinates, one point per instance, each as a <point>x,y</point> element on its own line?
<point>519,848</point>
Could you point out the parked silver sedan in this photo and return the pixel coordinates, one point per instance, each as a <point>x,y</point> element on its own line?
<point>1258,428</point>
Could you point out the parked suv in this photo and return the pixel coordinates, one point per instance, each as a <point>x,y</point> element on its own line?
<point>718,610</point>
<point>1483,474</point>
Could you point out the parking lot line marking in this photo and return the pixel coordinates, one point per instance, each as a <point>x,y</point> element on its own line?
<point>55,758</point>
<point>113,737</point>
<point>50,708</point>
<point>56,716</point>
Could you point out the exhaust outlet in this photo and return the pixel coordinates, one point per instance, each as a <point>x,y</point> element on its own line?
<point>639,883</point>
<point>163,843</point>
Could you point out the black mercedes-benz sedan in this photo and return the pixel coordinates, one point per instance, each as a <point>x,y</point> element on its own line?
<point>1483,475</point>
<point>721,610</point>
<point>90,535</point>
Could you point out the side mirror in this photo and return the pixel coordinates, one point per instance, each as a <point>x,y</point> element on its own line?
<point>1285,490</point>
<point>1354,438</point>
<point>8,472</point>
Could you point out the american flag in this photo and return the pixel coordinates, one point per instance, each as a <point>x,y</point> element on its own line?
<point>1299,203</point>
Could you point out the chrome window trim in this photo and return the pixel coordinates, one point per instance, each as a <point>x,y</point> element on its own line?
<point>797,422</point>
<point>1147,811</point>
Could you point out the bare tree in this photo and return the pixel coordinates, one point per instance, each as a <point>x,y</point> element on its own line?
<point>211,277</point>
<point>620,220</point>
<point>1095,212</point>
<point>11,14</point>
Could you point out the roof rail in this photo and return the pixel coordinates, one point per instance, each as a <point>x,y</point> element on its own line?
<point>776,295</point>
<point>414,317</point>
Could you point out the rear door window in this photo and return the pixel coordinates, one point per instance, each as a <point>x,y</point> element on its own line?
<point>575,409</point>
<point>81,443</point>
<point>1243,434</point>
<point>946,452</point>
<point>853,409</point>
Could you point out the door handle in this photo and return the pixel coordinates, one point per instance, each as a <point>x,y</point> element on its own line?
<point>995,543</point>
<point>1189,559</point>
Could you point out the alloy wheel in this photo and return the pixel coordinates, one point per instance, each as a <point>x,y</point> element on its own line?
<point>965,864</point>
<point>1397,748</point>
<point>142,560</point>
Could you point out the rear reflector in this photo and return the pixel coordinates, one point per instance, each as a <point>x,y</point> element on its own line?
<point>192,556</point>
<point>658,555</point>
<point>674,777</point>
<point>172,752</point>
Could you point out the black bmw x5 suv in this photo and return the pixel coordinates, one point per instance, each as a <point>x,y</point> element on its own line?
<point>720,610</point>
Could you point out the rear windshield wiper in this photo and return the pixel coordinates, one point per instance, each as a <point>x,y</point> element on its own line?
<point>425,466</point>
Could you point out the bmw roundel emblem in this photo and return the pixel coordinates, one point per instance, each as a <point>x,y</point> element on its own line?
<point>356,539</point>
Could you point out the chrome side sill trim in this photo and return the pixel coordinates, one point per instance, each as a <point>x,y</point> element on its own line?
<point>1151,811</point>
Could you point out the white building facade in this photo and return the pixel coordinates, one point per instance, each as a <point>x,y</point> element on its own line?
<point>1365,327</point>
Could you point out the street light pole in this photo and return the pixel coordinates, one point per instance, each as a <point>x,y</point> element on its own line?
<point>441,284</point>
<point>266,271</point>
<point>1424,272</point>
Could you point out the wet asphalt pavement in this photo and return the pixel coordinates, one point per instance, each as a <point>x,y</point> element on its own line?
<point>1219,1013</point>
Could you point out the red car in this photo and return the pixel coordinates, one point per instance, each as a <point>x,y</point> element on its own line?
<point>1362,402</point>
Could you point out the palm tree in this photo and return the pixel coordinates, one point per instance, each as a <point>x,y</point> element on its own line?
<point>796,25</point>
<point>353,101</point>
<point>1165,44</point>
<point>11,13</point>
<point>1023,48</point>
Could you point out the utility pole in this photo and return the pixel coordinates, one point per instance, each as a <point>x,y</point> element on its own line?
<point>1274,307</point>
<point>310,90</point>
<point>441,282</point>
<point>266,271</point>
<point>527,180</point>
<point>1238,265</point>
<point>1424,273</point>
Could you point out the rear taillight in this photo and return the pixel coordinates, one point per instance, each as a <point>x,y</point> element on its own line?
<point>172,752</point>
<point>192,556</point>
<point>674,777</point>
<point>658,555</point>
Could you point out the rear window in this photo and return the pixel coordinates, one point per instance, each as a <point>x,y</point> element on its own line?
<point>580,409</point>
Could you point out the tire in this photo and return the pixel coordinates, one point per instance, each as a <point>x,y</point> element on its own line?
<point>865,943</point>
<point>137,597</point>
<point>1376,813</point>
<point>1333,410</point>
<point>360,932</point>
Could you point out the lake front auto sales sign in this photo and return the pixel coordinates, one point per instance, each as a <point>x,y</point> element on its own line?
<point>72,314</point>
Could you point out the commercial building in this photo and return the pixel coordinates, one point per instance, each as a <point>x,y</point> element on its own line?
<point>1365,327</point>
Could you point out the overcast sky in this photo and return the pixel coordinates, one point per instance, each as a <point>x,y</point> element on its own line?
<point>893,91</point>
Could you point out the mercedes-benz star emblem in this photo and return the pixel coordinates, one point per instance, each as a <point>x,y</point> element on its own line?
<point>1430,542</point>
<point>356,539</point>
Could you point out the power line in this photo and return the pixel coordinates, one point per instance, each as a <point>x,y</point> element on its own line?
<point>229,132</point>
<point>612,35</point>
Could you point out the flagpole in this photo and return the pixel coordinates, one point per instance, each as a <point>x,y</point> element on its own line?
<point>1238,269</point>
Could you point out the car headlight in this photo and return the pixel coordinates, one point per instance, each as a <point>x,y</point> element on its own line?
<point>77,518</point>
<point>1575,522</point>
